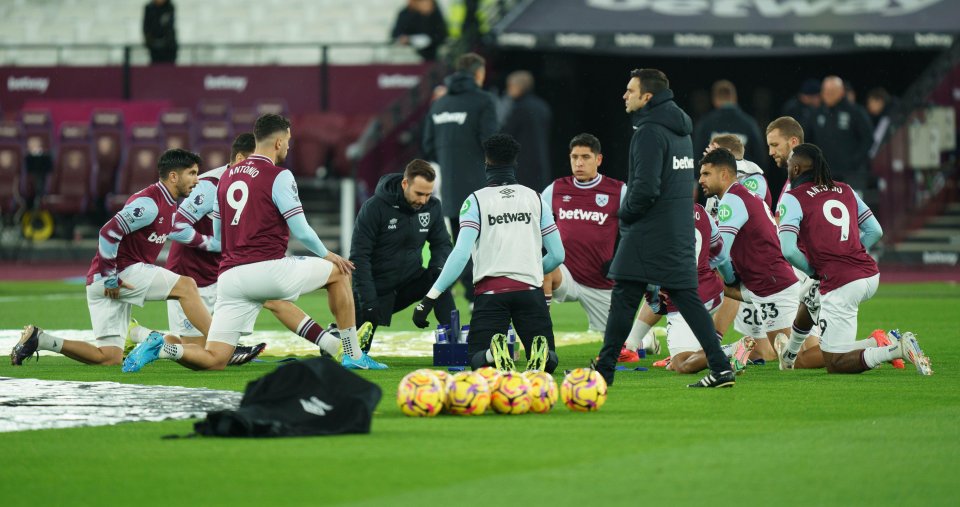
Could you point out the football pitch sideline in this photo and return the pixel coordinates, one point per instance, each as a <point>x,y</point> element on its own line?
<point>886,437</point>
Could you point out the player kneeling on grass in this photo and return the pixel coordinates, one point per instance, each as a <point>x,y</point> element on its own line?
<point>259,207</point>
<point>824,228</point>
<point>122,273</point>
<point>506,228</point>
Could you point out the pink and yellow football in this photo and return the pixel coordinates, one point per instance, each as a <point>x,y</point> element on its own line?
<point>543,391</point>
<point>420,394</point>
<point>492,376</point>
<point>512,396</point>
<point>468,394</point>
<point>583,390</point>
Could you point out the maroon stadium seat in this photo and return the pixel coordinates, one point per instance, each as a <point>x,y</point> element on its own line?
<point>243,120</point>
<point>272,106</point>
<point>11,167</point>
<point>317,135</point>
<point>214,140</point>
<point>70,185</point>
<point>107,142</point>
<point>176,128</point>
<point>213,109</point>
<point>138,170</point>
<point>353,128</point>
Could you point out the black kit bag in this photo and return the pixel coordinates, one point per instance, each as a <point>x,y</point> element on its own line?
<point>311,397</point>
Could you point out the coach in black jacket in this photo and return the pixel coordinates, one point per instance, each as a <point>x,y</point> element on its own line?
<point>656,249</point>
<point>387,246</point>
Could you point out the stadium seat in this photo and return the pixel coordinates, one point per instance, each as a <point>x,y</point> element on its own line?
<point>11,168</point>
<point>107,140</point>
<point>272,106</point>
<point>353,128</point>
<point>176,128</point>
<point>317,135</point>
<point>213,143</point>
<point>69,187</point>
<point>243,120</point>
<point>138,170</point>
<point>213,109</point>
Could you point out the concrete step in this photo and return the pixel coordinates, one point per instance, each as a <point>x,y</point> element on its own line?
<point>946,233</point>
<point>945,220</point>
<point>928,246</point>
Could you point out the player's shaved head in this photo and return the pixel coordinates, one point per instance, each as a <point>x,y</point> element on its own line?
<point>268,125</point>
<point>731,143</point>
<point>501,150</point>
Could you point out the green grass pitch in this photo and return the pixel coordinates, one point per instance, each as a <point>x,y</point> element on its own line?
<point>886,437</point>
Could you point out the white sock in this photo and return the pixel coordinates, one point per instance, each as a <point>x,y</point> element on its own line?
<point>797,337</point>
<point>867,343</point>
<point>489,356</point>
<point>728,349</point>
<point>47,341</point>
<point>351,345</point>
<point>171,351</point>
<point>329,343</point>
<point>139,333</point>
<point>640,335</point>
<point>873,356</point>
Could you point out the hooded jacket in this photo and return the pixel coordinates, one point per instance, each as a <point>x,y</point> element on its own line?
<point>454,131</point>
<point>656,221</point>
<point>388,239</point>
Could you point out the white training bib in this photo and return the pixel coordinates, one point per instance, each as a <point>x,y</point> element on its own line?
<point>510,244</point>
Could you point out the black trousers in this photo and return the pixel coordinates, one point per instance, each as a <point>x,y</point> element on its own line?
<point>625,301</point>
<point>492,314</point>
<point>408,293</point>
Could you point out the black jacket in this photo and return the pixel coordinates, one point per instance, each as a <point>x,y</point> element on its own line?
<point>410,22</point>
<point>158,26</point>
<point>730,119</point>
<point>388,239</point>
<point>845,135</point>
<point>529,123</point>
<point>455,127</point>
<point>656,216</point>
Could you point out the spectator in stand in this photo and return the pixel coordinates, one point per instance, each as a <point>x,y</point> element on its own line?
<point>879,106</point>
<point>804,105</point>
<point>421,25</point>
<point>528,121</point>
<point>728,118</point>
<point>842,130</point>
<point>159,32</point>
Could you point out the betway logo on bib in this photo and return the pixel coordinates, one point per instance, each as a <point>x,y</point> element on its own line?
<point>682,163</point>
<point>507,218</point>
<point>579,214</point>
<point>448,117</point>
<point>161,239</point>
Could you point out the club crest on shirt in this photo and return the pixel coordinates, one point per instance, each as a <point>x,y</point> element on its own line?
<point>393,224</point>
<point>424,219</point>
<point>602,199</point>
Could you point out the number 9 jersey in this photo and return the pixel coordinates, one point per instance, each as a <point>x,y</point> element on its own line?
<point>827,223</point>
<point>254,200</point>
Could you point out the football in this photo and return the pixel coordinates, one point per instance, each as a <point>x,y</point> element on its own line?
<point>492,376</point>
<point>543,391</point>
<point>512,395</point>
<point>583,390</point>
<point>468,394</point>
<point>420,394</point>
<point>442,376</point>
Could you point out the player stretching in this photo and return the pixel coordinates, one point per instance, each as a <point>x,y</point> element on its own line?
<point>834,228</point>
<point>585,206</point>
<point>506,227</point>
<point>259,207</point>
<point>749,233</point>
<point>122,273</point>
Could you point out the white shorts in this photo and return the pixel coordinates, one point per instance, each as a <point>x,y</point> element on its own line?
<point>242,290</point>
<point>776,311</point>
<point>748,322</point>
<point>111,317</point>
<point>838,313</point>
<point>680,337</point>
<point>596,302</point>
<point>177,320</point>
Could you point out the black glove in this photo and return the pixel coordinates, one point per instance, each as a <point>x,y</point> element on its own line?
<point>422,311</point>
<point>370,313</point>
<point>605,268</point>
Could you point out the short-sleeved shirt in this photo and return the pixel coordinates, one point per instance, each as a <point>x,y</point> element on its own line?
<point>146,220</point>
<point>254,200</point>
<point>197,209</point>
<point>827,223</point>
<point>755,253</point>
<point>708,245</point>
<point>586,215</point>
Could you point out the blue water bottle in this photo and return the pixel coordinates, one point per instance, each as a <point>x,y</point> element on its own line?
<point>441,334</point>
<point>454,331</point>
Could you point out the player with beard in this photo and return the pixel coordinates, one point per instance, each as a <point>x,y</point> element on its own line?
<point>259,206</point>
